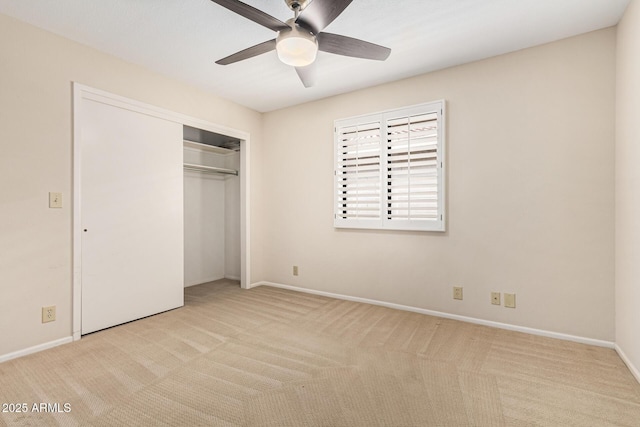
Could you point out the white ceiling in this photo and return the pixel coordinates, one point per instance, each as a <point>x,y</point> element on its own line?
<point>183,38</point>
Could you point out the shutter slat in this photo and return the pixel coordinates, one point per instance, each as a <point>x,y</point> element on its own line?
<point>405,175</point>
<point>427,152</point>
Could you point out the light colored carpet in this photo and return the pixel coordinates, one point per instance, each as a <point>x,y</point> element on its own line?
<point>272,357</point>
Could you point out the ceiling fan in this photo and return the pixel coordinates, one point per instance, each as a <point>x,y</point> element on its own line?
<point>300,38</point>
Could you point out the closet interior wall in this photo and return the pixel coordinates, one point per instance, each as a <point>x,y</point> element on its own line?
<point>211,216</point>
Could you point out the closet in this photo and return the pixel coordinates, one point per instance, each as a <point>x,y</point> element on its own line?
<point>160,202</point>
<point>211,206</point>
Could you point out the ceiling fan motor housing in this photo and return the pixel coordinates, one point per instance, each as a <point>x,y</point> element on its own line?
<point>296,4</point>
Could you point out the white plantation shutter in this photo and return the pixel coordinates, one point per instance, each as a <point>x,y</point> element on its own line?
<point>389,169</point>
<point>358,184</point>
<point>412,168</point>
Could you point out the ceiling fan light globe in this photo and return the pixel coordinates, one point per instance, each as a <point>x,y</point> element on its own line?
<point>296,51</point>
<point>295,46</point>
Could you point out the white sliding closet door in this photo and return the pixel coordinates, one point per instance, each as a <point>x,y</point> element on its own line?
<point>131,215</point>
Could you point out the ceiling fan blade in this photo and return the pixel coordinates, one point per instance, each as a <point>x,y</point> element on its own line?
<point>320,13</point>
<point>307,74</point>
<point>348,46</point>
<point>249,52</point>
<point>253,14</point>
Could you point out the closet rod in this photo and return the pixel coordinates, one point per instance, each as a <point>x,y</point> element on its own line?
<point>210,169</point>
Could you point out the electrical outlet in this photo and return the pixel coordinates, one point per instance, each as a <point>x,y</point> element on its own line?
<point>295,270</point>
<point>48,314</point>
<point>495,298</point>
<point>457,292</point>
<point>510,300</point>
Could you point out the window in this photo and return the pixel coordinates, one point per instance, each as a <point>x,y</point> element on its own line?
<point>389,169</point>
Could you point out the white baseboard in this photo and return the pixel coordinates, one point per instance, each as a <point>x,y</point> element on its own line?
<point>263,283</point>
<point>232,278</point>
<point>201,281</point>
<point>627,361</point>
<point>526,330</point>
<point>35,349</point>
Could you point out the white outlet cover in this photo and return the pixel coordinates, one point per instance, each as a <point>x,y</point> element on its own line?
<point>510,300</point>
<point>495,298</point>
<point>46,318</point>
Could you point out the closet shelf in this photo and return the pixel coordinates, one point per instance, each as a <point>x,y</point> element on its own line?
<point>207,147</point>
<point>210,169</point>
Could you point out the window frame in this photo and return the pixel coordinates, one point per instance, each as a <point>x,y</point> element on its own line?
<point>383,118</point>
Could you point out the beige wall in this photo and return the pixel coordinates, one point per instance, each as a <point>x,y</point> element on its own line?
<point>530,193</point>
<point>628,187</point>
<point>530,185</point>
<point>36,71</point>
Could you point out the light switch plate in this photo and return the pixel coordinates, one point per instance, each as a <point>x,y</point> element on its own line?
<point>55,200</point>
